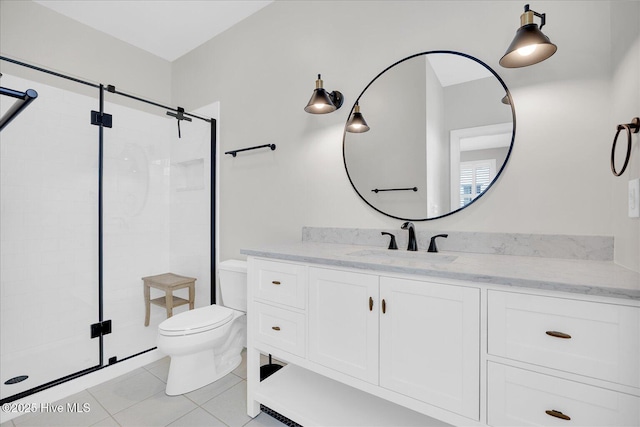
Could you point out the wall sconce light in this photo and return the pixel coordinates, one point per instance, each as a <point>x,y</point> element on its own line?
<point>530,45</point>
<point>322,102</point>
<point>357,123</point>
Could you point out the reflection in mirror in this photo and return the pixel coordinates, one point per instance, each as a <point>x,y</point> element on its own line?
<point>437,123</point>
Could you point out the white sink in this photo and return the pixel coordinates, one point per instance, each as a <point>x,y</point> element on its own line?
<point>386,254</point>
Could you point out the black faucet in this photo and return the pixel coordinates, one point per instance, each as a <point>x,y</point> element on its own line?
<point>432,244</point>
<point>413,245</point>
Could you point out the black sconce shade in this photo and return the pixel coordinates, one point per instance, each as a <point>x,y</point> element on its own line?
<point>530,45</point>
<point>322,102</point>
<point>357,123</point>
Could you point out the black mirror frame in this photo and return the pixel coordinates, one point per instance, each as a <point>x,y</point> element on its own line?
<point>498,174</point>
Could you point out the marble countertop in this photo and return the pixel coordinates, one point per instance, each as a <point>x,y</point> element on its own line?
<point>588,277</point>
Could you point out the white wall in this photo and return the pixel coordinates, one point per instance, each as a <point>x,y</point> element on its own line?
<point>37,35</point>
<point>262,72</point>
<point>472,102</point>
<point>625,105</point>
<point>437,149</point>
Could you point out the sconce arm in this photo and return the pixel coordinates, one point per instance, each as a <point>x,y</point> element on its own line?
<point>542,16</point>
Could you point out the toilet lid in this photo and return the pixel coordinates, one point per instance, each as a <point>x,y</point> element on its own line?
<point>195,321</point>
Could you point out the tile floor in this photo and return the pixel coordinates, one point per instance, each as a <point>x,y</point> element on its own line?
<point>137,399</point>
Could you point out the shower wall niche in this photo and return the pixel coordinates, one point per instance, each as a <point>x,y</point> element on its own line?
<point>80,227</point>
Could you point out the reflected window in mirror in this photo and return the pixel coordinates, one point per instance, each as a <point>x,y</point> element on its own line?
<point>475,177</point>
<point>474,154</point>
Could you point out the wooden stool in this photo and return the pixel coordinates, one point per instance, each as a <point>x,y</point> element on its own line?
<point>167,282</point>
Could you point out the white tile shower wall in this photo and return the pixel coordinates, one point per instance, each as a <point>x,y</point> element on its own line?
<point>48,236</point>
<point>190,206</point>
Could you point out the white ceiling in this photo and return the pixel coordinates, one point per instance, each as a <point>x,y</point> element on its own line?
<point>166,28</point>
<point>456,69</point>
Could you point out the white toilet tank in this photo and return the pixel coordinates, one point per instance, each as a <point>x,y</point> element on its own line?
<point>233,284</point>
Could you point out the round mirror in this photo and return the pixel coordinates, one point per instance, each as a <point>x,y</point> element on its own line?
<point>441,129</point>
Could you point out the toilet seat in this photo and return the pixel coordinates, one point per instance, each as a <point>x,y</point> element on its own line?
<point>195,321</point>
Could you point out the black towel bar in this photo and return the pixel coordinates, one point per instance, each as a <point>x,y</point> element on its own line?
<point>234,152</point>
<point>375,190</point>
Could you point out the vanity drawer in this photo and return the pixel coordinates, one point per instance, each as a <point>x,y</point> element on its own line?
<point>281,282</point>
<point>517,397</point>
<point>592,339</point>
<point>280,328</point>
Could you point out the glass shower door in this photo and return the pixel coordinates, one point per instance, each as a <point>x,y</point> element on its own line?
<point>156,217</point>
<point>135,221</point>
<point>48,238</point>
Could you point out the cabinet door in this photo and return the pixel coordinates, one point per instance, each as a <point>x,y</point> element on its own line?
<point>343,322</point>
<point>430,343</point>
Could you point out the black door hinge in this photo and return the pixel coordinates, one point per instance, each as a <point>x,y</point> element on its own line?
<point>103,119</point>
<point>100,328</point>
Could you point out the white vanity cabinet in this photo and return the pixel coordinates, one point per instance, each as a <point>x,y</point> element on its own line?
<point>365,347</point>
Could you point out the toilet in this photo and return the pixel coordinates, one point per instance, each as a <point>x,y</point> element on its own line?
<point>205,344</point>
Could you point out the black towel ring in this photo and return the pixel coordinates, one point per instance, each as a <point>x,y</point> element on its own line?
<point>632,127</point>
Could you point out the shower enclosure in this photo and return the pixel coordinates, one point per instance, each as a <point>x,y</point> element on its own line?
<point>97,190</point>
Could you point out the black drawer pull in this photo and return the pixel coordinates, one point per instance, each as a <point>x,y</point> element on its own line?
<point>558,334</point>
<point>276,282</point>
<point>558,414</point>
<point>275,328</point>
<point>370,304</point>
